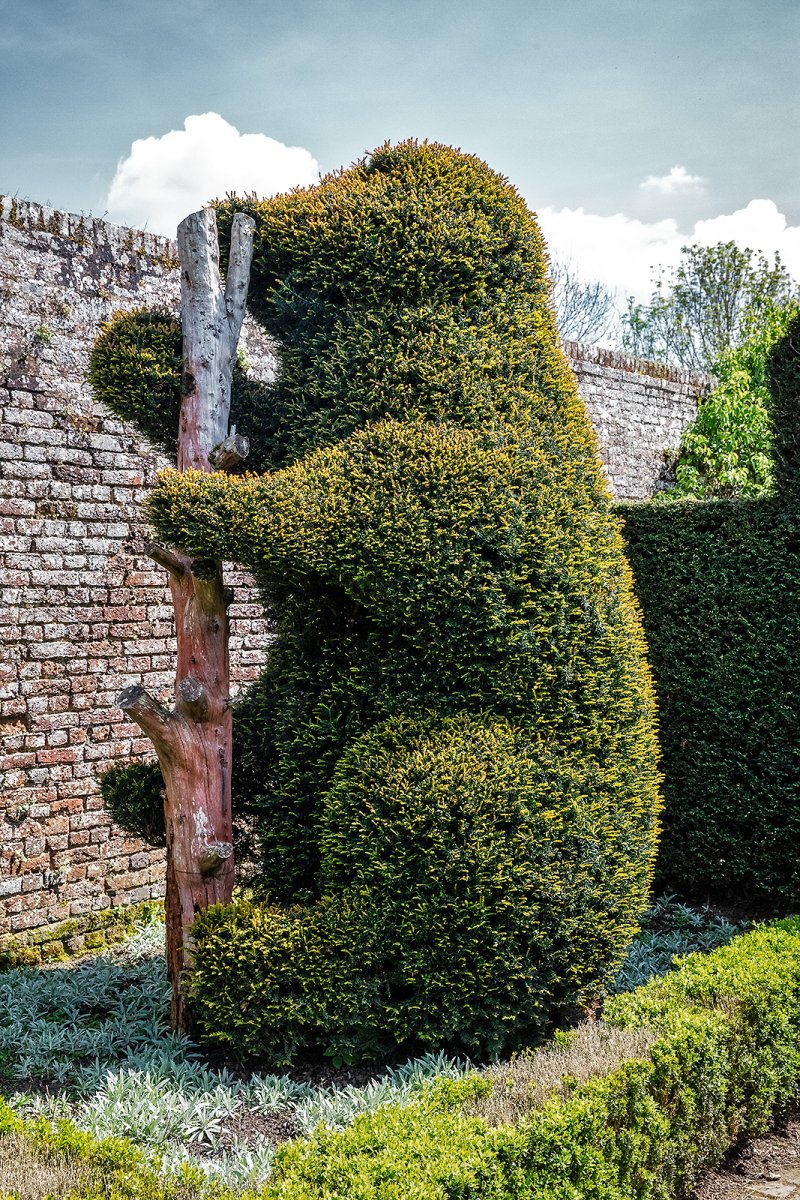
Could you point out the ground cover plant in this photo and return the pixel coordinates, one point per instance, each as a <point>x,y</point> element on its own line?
<point>640,1103</point>
<point>450,765</point>
<point>92,1043</point>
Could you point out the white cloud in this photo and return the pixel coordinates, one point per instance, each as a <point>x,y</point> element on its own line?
<point>677,182</point>
<point>623,252</point>
<point>165,178</point>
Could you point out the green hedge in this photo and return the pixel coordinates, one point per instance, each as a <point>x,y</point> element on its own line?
<point>107,1169</point>
<point>726,1055</point>
<point>718,583</point>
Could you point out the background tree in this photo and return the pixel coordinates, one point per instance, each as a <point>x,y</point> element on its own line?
<point>727,451</point>
<point>585,309</point>
<point>716,298</point>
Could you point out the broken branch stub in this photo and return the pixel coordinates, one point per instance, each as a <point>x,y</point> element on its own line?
<point>211,318</point>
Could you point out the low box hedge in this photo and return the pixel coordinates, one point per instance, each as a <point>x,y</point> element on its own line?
<point>725,1056</point>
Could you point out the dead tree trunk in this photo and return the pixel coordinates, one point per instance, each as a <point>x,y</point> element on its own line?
<point>193,740</point>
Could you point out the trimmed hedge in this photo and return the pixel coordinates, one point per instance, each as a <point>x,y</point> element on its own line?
<point>725,1058</point>
<point>718,583</point>
<point>458,656</point>
<point>783,374</point>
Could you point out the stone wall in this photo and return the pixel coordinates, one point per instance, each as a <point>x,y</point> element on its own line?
<point>83,611</point>
<point>639,410</point>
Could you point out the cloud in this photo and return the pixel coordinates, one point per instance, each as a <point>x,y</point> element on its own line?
<point>165,178</point>
<point>624,253</point>
<point>677,182</point>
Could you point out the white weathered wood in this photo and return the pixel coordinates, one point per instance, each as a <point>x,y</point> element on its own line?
<point>229,453</point>
<point>211,318</point>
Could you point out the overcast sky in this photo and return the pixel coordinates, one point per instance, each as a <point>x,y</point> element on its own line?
<point>631,126</point>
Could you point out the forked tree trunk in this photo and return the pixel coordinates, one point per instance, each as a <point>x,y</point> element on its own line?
<point>193,740</point>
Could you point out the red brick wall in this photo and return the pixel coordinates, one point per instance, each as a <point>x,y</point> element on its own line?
<point>83,611</point>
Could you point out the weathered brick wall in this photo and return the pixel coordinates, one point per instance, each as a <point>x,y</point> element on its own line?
<point>84,612</point>
<point>639,410</point>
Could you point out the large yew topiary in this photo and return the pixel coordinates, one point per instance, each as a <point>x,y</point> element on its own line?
<point>450,759</point>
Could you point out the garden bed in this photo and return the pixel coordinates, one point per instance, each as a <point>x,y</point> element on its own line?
<point>645,1099</point>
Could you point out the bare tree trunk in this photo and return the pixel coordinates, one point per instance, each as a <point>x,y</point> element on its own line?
<point>193,741</point>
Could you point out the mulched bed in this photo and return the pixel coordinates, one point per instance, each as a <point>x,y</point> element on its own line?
<point>765,1169</point>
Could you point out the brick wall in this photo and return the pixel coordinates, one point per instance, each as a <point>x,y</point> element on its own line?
<point>639,410</point>
<point>83,611</point>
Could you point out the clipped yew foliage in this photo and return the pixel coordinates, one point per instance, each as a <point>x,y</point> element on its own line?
<point>134,796</point>
<point>450,759</point>
<point>719,583</point>
<point>783,374</point>
<point>449,764</point>
<point>135,370</point>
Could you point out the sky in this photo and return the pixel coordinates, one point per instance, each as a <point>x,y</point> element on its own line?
<point>630,126</point>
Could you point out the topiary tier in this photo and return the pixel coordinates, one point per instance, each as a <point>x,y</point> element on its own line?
<point>450,759</point>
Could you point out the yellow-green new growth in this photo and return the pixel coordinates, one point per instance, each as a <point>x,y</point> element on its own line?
<point>450,760</point>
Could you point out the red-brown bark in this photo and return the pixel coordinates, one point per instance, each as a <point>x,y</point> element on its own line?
<point>193,741</point>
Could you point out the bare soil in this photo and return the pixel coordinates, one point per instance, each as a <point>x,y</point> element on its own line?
<point>765,1169</point>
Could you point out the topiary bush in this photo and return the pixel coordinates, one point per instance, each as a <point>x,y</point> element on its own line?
<point>134,796</point>
<point>450,760</point>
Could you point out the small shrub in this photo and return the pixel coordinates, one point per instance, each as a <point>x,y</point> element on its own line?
<point>134,796</point>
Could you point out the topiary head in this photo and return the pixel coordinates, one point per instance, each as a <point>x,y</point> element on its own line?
<point>412,285</point>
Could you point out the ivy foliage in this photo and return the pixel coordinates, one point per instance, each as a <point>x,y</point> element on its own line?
<point>450,760</point>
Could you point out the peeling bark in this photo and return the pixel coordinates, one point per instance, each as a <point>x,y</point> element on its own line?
<point>194,740</point>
